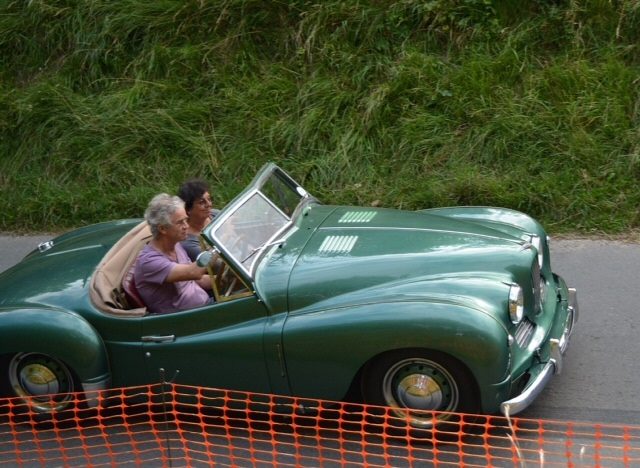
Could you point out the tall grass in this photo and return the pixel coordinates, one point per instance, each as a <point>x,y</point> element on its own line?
<point>408,104</point>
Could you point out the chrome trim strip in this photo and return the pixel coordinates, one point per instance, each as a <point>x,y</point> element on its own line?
<point>158,338</point>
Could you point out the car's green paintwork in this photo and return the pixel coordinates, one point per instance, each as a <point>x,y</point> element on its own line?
<point>342,286</point>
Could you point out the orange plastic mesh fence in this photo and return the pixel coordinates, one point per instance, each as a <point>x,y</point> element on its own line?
<point>176,425</point>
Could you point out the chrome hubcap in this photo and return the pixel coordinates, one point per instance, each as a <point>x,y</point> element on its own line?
<point>422,386</point>
<point>37,379</point>
<point>419,392</point>
<point>44,381</point>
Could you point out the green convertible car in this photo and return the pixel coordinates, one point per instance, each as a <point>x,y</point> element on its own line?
<point>447,310</point>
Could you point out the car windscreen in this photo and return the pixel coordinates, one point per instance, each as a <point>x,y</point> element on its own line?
<point>258,218</point>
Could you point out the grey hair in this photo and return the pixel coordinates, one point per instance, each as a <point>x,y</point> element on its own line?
<point>160,210</point>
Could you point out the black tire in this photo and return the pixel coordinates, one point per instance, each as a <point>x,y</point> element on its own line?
<point>45,384</point>
<point>422,382</point>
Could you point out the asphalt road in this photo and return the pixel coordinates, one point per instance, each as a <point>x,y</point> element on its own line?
<point>600,381</point>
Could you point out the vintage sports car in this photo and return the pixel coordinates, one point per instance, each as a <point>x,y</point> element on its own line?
<point>447,310</point>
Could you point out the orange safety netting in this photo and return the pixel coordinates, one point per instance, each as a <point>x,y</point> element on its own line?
<point>176,425</point>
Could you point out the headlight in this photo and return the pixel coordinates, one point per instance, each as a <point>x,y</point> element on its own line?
<point>516,303</point>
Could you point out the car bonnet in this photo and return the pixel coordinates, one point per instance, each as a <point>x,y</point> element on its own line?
<point>357,253</point>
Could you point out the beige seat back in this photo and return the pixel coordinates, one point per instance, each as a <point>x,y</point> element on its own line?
<point>105,288</point>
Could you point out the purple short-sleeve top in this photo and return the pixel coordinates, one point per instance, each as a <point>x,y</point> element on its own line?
<point>151,271</point>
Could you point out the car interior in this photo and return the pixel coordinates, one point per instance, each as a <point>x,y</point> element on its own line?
<point>112,288</point>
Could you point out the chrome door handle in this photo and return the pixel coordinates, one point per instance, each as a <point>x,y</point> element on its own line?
<point>158,338</point>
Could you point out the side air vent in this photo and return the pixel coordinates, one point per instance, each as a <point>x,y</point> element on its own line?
<point>524,331</point>
<point>357,217</point>
<point>338,244</point>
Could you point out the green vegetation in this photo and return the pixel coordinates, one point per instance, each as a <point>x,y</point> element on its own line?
<point>532,105</point>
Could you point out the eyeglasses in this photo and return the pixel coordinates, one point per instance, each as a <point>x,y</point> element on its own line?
<point>204,201</point>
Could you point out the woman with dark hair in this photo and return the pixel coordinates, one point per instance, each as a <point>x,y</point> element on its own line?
<point>197,202</point>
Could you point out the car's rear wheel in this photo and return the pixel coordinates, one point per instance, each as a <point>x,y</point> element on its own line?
<point>44,383</point>
<point>418,385</point>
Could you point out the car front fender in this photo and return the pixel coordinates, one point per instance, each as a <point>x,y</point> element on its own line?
<point>339,342</point>
<point>60,334</point>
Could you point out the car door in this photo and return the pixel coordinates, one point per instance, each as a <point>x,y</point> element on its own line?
<point>219,345</point>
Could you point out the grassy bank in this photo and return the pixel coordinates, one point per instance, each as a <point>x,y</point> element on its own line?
<point>407,104</point>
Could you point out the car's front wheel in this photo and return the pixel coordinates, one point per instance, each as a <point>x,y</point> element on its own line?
<point>419,384</point>
<point>44,383</point>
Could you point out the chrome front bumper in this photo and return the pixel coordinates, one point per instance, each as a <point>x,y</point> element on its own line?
<point>554,366</point>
